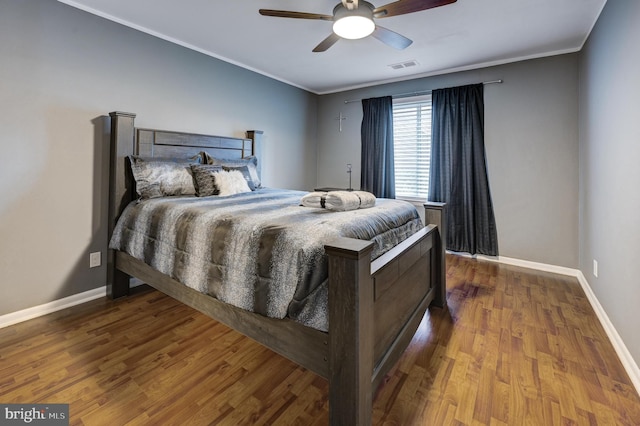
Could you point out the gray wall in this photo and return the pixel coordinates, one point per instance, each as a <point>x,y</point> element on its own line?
<point>531,139</point>
<point>609,172</point>
<point>61,71</point>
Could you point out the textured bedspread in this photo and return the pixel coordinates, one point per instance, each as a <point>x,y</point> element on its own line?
<point>260,251</point>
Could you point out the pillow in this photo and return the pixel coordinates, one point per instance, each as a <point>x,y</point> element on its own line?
<point>229,183</point>
<point>251,163</point>
<point>245,173</point>
<point>203,176</point>
<point>161,177</point>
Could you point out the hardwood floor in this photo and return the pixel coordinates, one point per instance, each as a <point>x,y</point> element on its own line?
<point>515,347</point>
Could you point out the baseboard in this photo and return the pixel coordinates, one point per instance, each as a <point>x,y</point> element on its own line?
<point>629,364</point>
<point>561,270</point>
<point>627,360</point>
<point>56,305</point>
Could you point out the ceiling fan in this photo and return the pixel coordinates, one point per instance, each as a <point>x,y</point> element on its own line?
<point>353,19</point>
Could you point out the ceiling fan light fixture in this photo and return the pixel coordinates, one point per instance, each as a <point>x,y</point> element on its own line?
<point>353,27</point>
<point>355,23</point>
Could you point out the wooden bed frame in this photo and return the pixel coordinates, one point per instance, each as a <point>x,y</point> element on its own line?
<point>374,307</point>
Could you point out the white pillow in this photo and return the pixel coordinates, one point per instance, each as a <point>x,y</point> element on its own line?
<point>230,182</point>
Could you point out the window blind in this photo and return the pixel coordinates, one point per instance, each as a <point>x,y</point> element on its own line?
<point>412,146</point>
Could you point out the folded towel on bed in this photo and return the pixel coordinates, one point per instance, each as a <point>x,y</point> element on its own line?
<point>339,200</point>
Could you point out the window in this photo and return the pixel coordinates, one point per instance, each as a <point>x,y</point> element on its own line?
<point>412,146</point>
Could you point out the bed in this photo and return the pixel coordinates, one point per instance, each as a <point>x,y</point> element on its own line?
<point>373,307</point>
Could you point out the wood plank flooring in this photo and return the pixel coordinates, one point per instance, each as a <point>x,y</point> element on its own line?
<point>516,347</point>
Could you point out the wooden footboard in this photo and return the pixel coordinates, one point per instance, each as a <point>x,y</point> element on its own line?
<point>374,307</point>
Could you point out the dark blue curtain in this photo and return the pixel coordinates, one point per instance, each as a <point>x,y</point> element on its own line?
<point>377,171</point>
<point>458,174</point>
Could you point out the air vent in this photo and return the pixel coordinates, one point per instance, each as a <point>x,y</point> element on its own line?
<point>406,64</point>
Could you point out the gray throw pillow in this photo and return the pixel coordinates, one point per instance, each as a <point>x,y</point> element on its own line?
<point>162,177</point>
<point>203,176</point>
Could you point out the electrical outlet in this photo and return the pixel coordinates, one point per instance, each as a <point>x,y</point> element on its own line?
<point>595,268</point>
<point>95,259</point>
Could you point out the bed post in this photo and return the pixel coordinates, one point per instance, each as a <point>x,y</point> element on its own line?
<point>256,147</point>
<point>351,332</point>
<point>120,191</point>
<point>256,139</point>
<point>435,213</point>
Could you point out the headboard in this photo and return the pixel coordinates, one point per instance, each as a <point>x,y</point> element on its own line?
<point>127,140</point>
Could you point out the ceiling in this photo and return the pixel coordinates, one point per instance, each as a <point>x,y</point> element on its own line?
<point>464,35</point>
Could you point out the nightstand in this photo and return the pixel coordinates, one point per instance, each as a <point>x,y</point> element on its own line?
<point>330,188</point>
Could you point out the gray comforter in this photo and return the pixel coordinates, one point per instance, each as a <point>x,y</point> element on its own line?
<point>260,251</point>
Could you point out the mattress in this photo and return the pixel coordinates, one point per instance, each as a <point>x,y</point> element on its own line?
<point>260,251</point>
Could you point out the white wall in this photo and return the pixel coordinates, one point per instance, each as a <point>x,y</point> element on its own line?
<point>609,171</point>
<point>61,72</point>
<point>531,140</point>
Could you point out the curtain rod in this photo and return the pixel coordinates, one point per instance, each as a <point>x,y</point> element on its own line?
<point>423,92</point>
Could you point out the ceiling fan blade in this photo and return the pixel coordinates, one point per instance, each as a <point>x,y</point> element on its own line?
<point>327,43</point>
<point>298,15</point>
<point>391,38</point>
<point>402,7</point>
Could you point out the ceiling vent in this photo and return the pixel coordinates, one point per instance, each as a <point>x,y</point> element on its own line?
<point>406,64</point>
